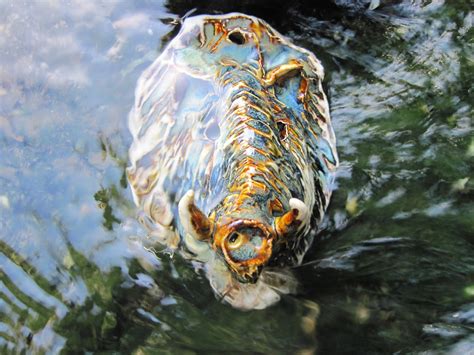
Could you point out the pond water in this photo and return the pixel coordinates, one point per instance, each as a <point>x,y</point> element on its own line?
<point>392,270</point>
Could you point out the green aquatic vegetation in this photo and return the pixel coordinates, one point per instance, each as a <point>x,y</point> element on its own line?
<point>103,197</point>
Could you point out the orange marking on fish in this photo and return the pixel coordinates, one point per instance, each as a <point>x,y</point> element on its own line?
<point>288,223</point>
<point>262,152</point>
<point>276,206</point>
<point>281,72</point>
<point>216,44</point>
<point>218,26</point>
<point>303,89</point>
<point>218,29</point>
<point>259,109</point>
<point>274,39</point>
<point>257,29</point>
<point>200,222</point>
<point>255,130</point>
<point>277,108</point>
<point>246,95</point>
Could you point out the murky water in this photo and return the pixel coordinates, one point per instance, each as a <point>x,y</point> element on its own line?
<point>393,268</point>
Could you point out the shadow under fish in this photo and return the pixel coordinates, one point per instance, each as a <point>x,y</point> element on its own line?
<point>233,153</point>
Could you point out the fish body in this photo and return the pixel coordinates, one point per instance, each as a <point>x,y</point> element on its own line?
<point>233,151</point>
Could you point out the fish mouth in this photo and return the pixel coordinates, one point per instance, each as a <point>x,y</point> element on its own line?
<point>268,289</point>
<point>248,277</point>
<point>246,246</point>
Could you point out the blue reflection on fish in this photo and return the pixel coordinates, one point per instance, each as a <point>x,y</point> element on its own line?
<point>233,153</point>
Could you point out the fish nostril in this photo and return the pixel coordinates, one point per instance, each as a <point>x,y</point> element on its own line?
<point>236,37</point>
<point>283,129</point>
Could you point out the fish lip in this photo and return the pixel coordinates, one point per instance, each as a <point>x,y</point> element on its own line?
<point>225,230</point>
<point>237,224</point>
<point>253,278</point>
<point>250,278</point>
<point>247,271</point>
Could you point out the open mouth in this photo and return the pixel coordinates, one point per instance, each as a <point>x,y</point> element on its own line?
<point>246,246</point>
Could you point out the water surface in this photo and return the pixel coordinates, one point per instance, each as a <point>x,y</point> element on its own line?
<point>393,267</point>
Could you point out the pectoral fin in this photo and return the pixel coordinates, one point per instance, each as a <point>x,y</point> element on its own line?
<point>194,222</point>
<point>294,220</point>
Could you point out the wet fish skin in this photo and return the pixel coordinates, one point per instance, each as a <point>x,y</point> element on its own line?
<point>233,143</point>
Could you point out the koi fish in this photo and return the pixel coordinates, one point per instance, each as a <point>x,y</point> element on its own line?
<point>233,153</point>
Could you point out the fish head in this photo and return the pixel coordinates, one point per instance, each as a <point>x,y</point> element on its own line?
<point>245,244</point>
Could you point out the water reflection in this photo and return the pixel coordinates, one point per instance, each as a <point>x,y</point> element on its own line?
<point>394,267</point>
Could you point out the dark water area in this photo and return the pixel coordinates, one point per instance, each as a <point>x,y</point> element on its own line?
<point>392,270</point>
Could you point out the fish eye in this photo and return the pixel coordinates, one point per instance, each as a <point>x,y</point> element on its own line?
<point>236,37</point>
